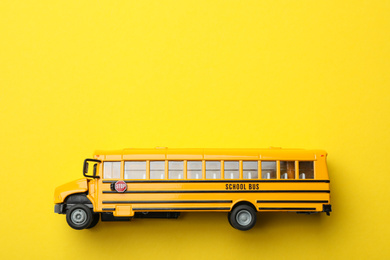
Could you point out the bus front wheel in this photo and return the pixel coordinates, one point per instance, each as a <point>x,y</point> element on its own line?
<point>242,217</point>
<point>95,220</point>
<point>79,217</point>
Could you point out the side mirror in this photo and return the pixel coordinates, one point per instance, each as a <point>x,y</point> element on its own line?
<point>86,166</point>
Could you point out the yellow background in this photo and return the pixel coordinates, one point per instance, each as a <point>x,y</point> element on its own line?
<point>76,76</point>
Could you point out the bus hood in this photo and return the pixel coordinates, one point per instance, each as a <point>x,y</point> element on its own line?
<point>67,189</point>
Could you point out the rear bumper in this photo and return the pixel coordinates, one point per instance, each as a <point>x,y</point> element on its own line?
<point>327,208</point>
<point>59,208</point>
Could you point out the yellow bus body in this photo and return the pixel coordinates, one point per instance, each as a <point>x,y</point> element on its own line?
<point>285,192</point>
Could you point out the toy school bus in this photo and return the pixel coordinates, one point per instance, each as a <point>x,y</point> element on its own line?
<point>162,182</point>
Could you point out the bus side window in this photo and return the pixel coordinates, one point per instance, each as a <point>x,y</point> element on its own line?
<point>268,169</point>
<point>175,169</point>
<point>231,170</point>
<point>194,169</point>
<point>250,169</point>
<point>112,170</point>
<point>157,170</point>
<point>306,170</point>
<point>213,170</point>
<point>287,169</point>
<point>135,170</point>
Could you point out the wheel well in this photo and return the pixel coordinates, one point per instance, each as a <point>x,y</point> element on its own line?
<point>244,203</point>
<point>77,198</point>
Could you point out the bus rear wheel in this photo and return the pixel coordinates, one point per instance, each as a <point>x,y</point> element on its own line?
<point>79,217</point>
<point>242,217</point>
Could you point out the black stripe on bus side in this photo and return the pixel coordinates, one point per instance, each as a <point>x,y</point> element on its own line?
<point>292,201</point>
<point>108,208</point>
<point>216,181</point>
<point>220,191</point>
<point>287,208</point>
<point>164,201</point>
<point>151,209</point>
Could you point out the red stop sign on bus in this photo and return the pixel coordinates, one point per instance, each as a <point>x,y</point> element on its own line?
<point>120,186</point>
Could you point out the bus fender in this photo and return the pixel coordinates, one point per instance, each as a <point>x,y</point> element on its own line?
<point>71,200</point>
<point>63,191</point>
<point>243,202</point>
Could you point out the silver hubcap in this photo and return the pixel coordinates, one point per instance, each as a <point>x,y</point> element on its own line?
<point>79,216</point>
<point>244,217</point>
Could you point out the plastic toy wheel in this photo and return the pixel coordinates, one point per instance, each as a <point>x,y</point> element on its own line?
<point>95,220</point>
<point>79,217</point>
<point>243,217</point>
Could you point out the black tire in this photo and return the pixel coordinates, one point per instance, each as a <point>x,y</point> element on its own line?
<point>95,220</point>
<point>229,214</point>
<point>79,217</point>
<point>243,217</point>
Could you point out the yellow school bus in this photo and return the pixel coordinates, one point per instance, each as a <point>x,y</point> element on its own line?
<point>162,182</point>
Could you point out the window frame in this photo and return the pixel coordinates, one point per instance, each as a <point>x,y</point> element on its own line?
<point>314,169</point>
<point>120,170</point>
<point>220,169</point>
<point>165,163</point>
<point>182,170</point>
<point>258,163</point>
<point>130,161</point>
<point>238,169</point>
<point>276,169</point>
<point>202,170</point>
<point>295,169</point>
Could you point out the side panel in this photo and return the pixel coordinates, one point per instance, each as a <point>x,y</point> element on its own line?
<point>215,195</point>
<point>303,195</point>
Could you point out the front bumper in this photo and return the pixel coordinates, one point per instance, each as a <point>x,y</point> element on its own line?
<point>59,208</point>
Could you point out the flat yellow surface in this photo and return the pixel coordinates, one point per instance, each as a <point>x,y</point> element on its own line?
<point>76,76</point>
